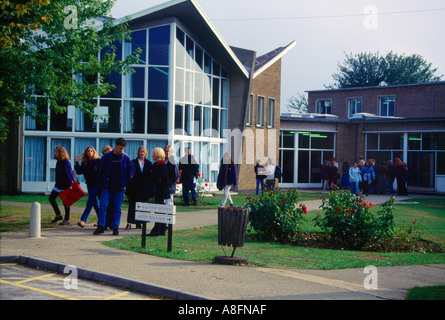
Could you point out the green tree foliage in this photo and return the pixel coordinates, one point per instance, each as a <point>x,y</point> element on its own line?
<point>368,69</point>
<point>51,48</point>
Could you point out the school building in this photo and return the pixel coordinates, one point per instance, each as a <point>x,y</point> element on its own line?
<point>381,123</point>
<point>189,89</point>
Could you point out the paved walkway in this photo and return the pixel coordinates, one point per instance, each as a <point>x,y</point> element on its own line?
<point>71,245</point>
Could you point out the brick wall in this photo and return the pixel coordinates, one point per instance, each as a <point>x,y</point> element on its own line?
<point>268,85</point>
<point>412,101</point>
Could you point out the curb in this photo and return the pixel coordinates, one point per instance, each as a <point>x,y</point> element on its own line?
<point>109,279</point>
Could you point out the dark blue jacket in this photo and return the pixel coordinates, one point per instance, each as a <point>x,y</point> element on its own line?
<point>127,170</point>
<point>173,176</point>
<point>89,169</point>
<point>227,175</point>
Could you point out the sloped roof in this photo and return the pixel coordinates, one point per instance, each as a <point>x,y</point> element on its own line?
<point>265,61</point>
<point>189,13</point>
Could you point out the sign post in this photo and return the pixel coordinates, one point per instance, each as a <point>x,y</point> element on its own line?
<point>152,212</point>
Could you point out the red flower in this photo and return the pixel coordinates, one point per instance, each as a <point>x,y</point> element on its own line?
<point>199,174</point>
<point>414,222</point>
<point>304,209</point>
<point>338,208</point>
<point>177,181</point>
<point>281,202</point>
<point>206,184</point>
<point>370,204</point>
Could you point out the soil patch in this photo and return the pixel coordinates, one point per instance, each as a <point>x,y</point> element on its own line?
<point>323,241</point>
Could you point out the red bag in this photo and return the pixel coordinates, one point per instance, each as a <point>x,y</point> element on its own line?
<point>72,194</point>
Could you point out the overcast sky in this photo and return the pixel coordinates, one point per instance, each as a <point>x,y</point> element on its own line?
<point>324,30</point>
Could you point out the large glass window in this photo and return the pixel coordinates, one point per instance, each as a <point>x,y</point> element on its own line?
<point>34,153</point>
<point>135,83</point>
<point>158,83</point>
<point>159,45</point>
<point>110,120</point>
<point>157,117</point>
<point>138,41</point>
<point>134,117</point>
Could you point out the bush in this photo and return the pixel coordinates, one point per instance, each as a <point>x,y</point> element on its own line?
<point>276,215</point>
<point>348,219</point>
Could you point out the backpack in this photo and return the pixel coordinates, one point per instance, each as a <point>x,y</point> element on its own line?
<point>277,173</point>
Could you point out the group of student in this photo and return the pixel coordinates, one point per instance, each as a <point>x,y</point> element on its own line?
<point>110,177</point>
<point>366,177</point>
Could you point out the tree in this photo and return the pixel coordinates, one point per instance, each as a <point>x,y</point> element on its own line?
<point>51,48</point>
<point>299,104</point>
<point>368,69</point>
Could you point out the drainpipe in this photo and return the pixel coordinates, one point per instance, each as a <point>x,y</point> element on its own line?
<point>356,142</point>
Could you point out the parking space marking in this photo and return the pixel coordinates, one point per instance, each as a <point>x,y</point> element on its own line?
<point>16,284</point>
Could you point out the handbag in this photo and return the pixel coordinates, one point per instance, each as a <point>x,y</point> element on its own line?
<point>72,194</point>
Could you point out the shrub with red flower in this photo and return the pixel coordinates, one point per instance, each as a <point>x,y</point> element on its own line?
<point>276,215</point>
<point>348,218</point>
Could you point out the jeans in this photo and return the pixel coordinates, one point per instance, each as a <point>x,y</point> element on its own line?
<point>92,202</point>
<point>227,195</point>
<point>258,183</point>
<point>116,199</point>
<point>354,187</point>
<point>187,186</point>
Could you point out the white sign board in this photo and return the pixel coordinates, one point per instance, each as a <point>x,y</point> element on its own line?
<point>155,208</point>
<point>153,217</point>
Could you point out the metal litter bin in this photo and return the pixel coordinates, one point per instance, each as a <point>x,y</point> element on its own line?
<point>232,225</point>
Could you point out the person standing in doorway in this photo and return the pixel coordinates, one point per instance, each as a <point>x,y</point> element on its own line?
<point>116,171</point>
<point>64,180</point>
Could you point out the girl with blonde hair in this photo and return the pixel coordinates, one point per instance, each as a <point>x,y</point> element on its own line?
<point>89,166</point>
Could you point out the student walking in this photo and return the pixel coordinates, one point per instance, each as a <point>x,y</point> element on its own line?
<point>116,170</point>
<point>140,188</point>
<point>89,166</point>
<point>227,177</point>
<point>64,180</point>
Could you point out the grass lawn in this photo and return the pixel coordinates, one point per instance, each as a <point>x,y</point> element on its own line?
<point>201,244</point>
<point>427,293</point>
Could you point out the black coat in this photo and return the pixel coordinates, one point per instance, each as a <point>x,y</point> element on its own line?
<point>141,187</point>
<point>159,176</point>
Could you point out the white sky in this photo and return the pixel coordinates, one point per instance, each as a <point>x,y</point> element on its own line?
<point>324,30</point>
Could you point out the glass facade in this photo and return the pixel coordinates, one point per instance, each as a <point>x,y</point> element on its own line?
<point>302,154</point>
<point>423,152</point>
<point>177,94</point>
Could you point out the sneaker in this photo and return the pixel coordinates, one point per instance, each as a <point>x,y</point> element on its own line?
<point>128,227</point>
<point>115,231</point>
<point>57,218</point>
<point>98,231</point>
<point>81,224</point>
<point>65,223</point>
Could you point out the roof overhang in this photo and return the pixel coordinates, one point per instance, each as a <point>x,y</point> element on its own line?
<point>271,57</point>
<point>194,18</point>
